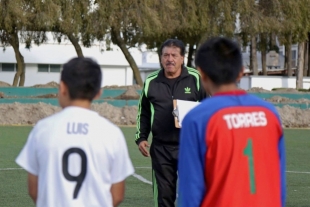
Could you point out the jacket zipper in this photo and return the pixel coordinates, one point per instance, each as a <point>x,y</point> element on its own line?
<point>173,87</point>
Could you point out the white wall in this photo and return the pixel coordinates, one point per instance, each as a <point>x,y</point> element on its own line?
<point>32,76</point>
<point>245,83</point>
<point>129,76</point>
<point>270,82</point>
<point>111,76</point>
<point>7,77</point>
<point>117,76</point>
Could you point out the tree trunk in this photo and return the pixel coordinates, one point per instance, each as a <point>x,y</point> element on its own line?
<point>19,78</point>
<point>251,59</point>
<point>264,61</point>
<point>285,58</point>
<point>308,74</point>
<point>120,42</point>
<point>159,57</point>
<point>273,41</point>
<point>306,59</point>
<point>300,69</point>
<point>264,46</point>
<point>190,55</point>
<point>288,48</point>
<point>288,52</point>
<point>254,55</point>
<point>75,43</point>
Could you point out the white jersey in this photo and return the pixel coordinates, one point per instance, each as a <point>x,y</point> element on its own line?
<point>77,156</point>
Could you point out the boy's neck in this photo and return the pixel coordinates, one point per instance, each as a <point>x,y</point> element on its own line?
<point>79,103</point>
<point>225,88</point>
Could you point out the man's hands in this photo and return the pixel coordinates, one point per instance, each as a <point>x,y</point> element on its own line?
<point>143,148</point>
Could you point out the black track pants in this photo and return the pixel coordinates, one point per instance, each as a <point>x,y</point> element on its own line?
<point>164,165</point>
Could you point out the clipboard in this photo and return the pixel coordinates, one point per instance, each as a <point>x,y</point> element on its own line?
<point>180,109</point>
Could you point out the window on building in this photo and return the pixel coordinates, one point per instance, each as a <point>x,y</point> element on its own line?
<point>8,67</point>
<point>55,68</point>
<point>43,68</point>
<point>49,68</point>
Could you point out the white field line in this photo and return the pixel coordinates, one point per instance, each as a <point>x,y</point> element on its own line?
<point>296,172</point>
<point>142,179</point>
<point>139,177</point>
<point>8,169</point>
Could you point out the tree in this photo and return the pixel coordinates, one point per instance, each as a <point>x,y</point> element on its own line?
<point>308,72</point>
<point>13,19</point>
<point>23,21</point>
<point>129,21</point>
<point>299,73</point>
<point>191,51</point>
<point>306,58</point>
<point>258,18</point>
<point>294,19</point>
<point>267,40</point>
<point>253,59</point>
<point>77,21</point>
<point>196,21</point>
<point>288,55</point>
<point>263,47</point>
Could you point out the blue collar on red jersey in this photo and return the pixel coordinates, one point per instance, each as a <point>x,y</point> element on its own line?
<point>232,93</point>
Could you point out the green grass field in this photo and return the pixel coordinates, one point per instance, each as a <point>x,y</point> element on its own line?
<point>13,188</point>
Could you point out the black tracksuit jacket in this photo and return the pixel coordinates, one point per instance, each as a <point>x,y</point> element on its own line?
<point>156,104</point>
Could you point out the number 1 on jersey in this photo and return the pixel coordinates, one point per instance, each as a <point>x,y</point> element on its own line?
<point>248,151</point>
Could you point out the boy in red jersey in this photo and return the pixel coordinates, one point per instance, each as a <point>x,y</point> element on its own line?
<point>231,146</point>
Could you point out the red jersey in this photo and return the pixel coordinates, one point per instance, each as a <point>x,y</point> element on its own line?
<point>232,154</point>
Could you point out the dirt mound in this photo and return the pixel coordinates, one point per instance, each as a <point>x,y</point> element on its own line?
<point>18,113</point>
<point>119,116</point>
<point>51,95</point>
<point>136,87</point>
<point>285,90</point>
<point>294,117</point>
<point>52,84</point>
<point>130,94</point>
<point>258,90</point>
<point>281,99</point>
<point>4,84</point>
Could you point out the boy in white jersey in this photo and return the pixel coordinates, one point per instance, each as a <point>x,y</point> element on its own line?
<point>75,157</point>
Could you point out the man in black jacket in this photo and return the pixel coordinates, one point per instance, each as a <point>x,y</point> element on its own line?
<point>174,81</point>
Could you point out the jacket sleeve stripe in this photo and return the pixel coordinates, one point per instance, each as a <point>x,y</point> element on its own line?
<point>195,73</point>
<point>139,115</point>
<point>144,95</point>
<point>148,80</point>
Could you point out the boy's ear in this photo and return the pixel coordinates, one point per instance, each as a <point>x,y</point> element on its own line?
<point>202,74</point>
<point>98,94</point>
<point>240,75</point>
<point>63,89</point>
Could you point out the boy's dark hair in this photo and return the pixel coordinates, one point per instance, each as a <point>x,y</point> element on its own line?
<point>173,43</point>
<point>220,59</point>
<point>83,77</point>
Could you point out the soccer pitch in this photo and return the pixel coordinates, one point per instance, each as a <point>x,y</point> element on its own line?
<point>13,188</point>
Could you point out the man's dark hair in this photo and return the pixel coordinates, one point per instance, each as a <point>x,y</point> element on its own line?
<point>173,43</point>
<point>83,77</point>
<point>220,59</point>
